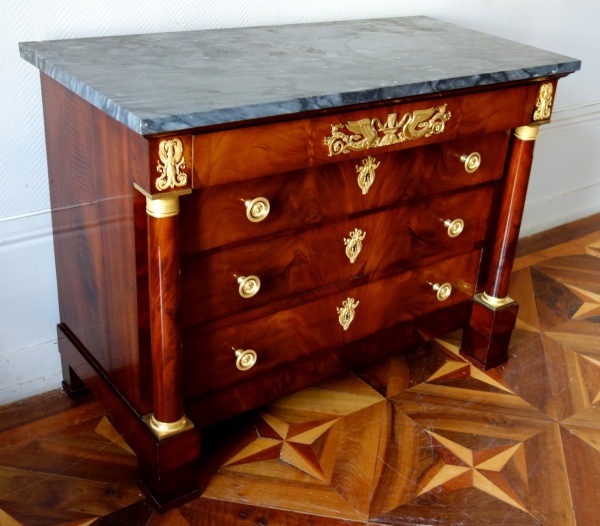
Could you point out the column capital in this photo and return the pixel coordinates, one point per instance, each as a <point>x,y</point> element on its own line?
<point>527,133</point>
<point>162,205</point>
<point>161,208</point>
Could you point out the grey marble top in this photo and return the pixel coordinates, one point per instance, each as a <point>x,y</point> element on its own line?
<point>176,81</point>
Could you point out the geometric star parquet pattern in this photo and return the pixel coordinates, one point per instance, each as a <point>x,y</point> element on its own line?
<point>420,438</point>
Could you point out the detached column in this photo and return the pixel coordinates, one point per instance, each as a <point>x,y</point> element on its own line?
<point>168,462</point>
<point>163,274</point>
<point>486,339</point>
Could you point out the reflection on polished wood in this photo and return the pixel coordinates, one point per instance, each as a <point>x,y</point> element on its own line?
<point>419,437</point>
<point>291,265</point>
<point>216,216</point>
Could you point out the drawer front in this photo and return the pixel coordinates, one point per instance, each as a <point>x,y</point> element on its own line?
<point>291,335</point>
<point>216,216</point>
<point>234,155</point>
<point>317,257</point>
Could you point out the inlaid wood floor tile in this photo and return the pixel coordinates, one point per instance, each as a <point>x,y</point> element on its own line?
<point>581,336</point>
<point>583,245</point>
<point>33,515</point>
<point>36,409</point>
<point>521,290</point>
<point>108,431</point>
<point>469,467</point>
<point>567,288</point>
<point>314,452</point>
<point>526,261</point>
<point>589,418</point>
<point>348,382</point>
<point>574,376</point>
<point>582,455</point>
<point>68,493</point>
<point>593,249</point>
<point>469,391</point>
<point>402,371</point>
<point>137,514</point>
<point>555,303</point>
<point>84,455</point>
<point>209,512</point>
<point>171,518</point>
<point>438,363</point>
<point>55,411</point>
<point>80,523</point>
<point>7,520</point>
<point>528,375</point>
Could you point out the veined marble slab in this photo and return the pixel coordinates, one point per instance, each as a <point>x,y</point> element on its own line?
<point>167,82</point>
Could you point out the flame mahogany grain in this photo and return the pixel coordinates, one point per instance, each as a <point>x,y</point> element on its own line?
<point>294,264</point>
<point>163,273</point>
<point>216,215</point>
<point>289,335</point>
<point>509,220</point>
<point>92,219</point>
<point>274,148</point>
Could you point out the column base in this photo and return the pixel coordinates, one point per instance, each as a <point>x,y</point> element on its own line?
<point>485,341</point>
<point>164,430</point>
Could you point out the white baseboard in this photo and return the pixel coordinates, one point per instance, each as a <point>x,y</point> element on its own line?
<point>565,177</point>
<point>560,210</point>
<point>28,372</point>
<point>29,359</point>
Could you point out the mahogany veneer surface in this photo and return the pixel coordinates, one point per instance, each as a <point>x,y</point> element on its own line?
<point>288,334</point>
<point>216,215</point>
<point>418,438</point>
<point>275,148</point>
<point>297,263</point>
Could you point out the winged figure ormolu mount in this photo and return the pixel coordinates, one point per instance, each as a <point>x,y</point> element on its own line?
<point>367,132</point>
<point>171,156</point>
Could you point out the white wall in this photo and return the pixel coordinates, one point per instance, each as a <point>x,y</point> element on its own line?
<point>565,183</point>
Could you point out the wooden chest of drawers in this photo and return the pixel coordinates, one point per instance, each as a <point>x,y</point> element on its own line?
<point>214,257</point>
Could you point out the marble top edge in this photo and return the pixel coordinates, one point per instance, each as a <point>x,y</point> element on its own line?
<point>288,107</point>
<point>213,55</point>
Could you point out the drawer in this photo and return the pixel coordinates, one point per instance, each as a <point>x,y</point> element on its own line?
<point>290,335</point>
<point>293,264</point>
<point>216,216</point>
<point>244,153</point>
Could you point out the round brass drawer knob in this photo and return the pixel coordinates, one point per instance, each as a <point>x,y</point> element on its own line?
<point>257,209</point>
<point>245,359</point>
<point>472,161</point>
<point>249,286</point>
<point>443,291</point>
<point>455,227</point>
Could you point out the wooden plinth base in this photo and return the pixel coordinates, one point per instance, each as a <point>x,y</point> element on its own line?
<point>485,341</point>
<point>167,468</point>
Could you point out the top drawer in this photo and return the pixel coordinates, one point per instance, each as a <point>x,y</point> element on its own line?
<point>216,216</point>
<point>234,155</point>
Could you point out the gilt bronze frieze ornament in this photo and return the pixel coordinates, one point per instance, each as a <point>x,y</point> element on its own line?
<point>366,173</point>
<point>173,162</point>
<point>543,103</point>
<point>372,133</point>
<point>347,312</point>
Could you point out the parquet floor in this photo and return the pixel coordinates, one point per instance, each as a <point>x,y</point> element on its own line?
<point>420,438</point>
